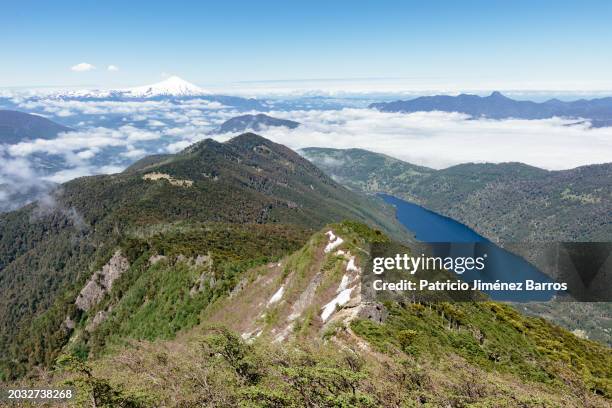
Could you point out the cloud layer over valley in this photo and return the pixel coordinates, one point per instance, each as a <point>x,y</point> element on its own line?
<point>111,134</point>
<point>439,139</point>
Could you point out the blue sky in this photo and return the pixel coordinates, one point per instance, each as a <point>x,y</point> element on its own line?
<point>542,43</point>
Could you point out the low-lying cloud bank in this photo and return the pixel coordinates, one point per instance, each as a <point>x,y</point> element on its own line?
<point>19,183</point>
<point>440,139</point>
<point>139,128</point>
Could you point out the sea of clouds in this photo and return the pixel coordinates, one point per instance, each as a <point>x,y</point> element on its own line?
<point>441,139</point>
<point>109,135</point>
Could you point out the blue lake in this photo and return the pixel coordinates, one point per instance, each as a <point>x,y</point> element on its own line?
<point>451,238</point>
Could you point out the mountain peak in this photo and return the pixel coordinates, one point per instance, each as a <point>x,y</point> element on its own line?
<point>258,122</point>
<point>17,126</point>
<point>171,86</point>
<point>178,82</point>
<point>249,139</point>
<point>496,94</point>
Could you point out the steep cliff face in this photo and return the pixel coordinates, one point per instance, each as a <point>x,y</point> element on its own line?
<point>101,282</point>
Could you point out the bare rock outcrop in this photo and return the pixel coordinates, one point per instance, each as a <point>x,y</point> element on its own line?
<point>374,311</point>
<point>99,318</point>
<point>101,282</point>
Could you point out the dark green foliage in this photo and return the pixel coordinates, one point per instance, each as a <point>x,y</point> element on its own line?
<point>363,170</point>
<point>493,336</point>
<point>364,232</point>
<point>236,353</point>
<point>97,392</point>
<point>592,318</point>
<point>299,378</point>
<point>262,397</point>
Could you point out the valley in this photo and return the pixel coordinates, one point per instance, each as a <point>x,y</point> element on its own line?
<point>506,203</point>
<point>510,202</point>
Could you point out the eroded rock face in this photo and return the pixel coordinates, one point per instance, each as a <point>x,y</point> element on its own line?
<point>101,282</point>
<point>305,298</point>
<point>375,312</point>
<point>95,322</point>
<point>200,261</point>
<point>69,323</point>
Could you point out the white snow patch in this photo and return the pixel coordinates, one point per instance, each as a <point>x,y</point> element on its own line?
<point>277,296</point>
<point>334,243</point>
<point>351,267</point>
<point>342,298</point>
<point>343,284</point>
<point>331,235</point>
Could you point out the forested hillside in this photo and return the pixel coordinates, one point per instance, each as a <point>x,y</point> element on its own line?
<point>503,202</point>
<point>49,249</point>
<point>297,332</point>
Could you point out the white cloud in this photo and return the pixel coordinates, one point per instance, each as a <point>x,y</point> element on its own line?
<point>86,154</point>
<point>82,67</point>
<point>72,173</point>
<point>155,123</point>
<point>12,168</point>
<point>78,143</point>
<point>439,139</point>
<point>19,182</point>
<point>177,146</point>
<point>133,153</point>
<point>112,68</point>
<point>70,142</point>
<point>182,111</point>
<point>134,134</point>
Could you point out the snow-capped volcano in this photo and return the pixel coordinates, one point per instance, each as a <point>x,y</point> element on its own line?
<point>171,86</point>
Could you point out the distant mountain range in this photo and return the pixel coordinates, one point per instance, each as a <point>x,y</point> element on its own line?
<point>18,126</point>
<point>254,123</point>
<point>498,106</point>
<point>170,87</point>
